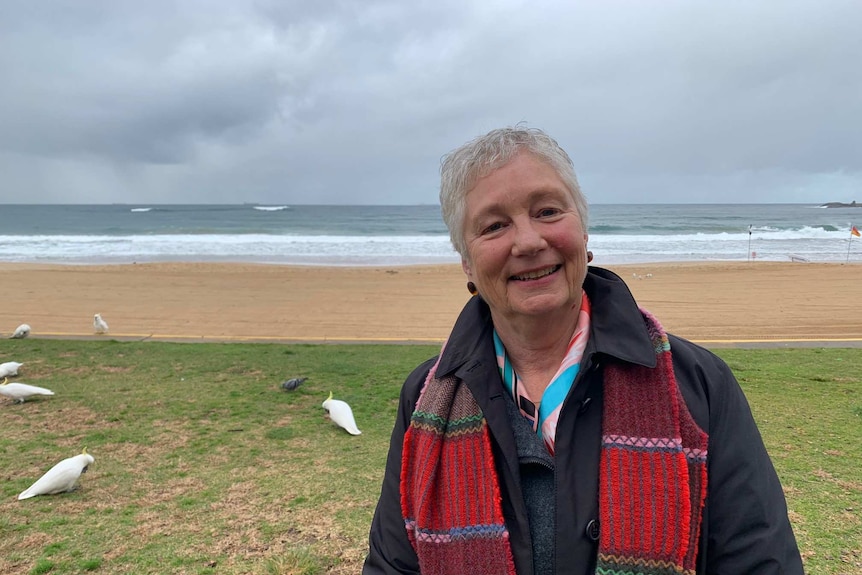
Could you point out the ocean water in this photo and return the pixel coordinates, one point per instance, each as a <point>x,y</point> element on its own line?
<point>406,235</point>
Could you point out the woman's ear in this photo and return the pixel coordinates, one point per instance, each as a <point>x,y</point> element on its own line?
<point>471,287</point>
<point>465,265</point>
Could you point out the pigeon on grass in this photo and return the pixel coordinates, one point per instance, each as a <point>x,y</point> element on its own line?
<point>292,383</point>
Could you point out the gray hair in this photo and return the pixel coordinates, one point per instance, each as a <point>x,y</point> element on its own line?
<point>464,166</point>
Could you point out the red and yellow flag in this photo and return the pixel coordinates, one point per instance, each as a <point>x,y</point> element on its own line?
<point>855,231</point>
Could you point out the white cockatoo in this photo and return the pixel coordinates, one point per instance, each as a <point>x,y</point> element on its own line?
<point>341,414</point>
<point>9,368</point>
<point>20,332</point>
<point>100,325</point>
<point>60,478</point>
<point>21,391</point>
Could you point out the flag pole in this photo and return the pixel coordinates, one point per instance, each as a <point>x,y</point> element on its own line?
<point>849,243</point>
<point>749,242</point>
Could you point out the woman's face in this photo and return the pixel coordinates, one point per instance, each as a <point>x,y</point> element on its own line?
<point>526,249</point>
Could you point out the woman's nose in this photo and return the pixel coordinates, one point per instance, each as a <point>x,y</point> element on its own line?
<point>528,240</point>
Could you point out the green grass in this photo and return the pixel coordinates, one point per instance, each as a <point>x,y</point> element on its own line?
<point>204,465</point>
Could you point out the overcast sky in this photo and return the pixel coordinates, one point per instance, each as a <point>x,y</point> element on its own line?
<point>355,102</point>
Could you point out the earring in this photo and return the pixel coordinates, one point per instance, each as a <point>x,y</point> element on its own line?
<point>471,287</point>
<point>589,256</point>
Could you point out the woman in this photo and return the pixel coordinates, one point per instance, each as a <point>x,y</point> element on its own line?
<point>560,430</point>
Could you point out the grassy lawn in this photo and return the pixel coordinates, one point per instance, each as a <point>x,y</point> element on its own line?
<point>204,465</point>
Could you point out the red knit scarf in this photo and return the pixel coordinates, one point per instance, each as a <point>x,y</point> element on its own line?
<point>652,482</point>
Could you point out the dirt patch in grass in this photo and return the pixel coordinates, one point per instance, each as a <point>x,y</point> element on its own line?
<point>67,420</point>
<point>13,421</point>
<point>73,371</point>
<point>843,483</point>
<point>35,540</point>
<point>283,421</point>
<point>254,529</point>
<point>153,523</point>
<point>115,369</point>
<point>319,526</point>
<point>240,370</point>
<point>172,491</point>
<point>797,519</point>
<point>141,457</point>
<point>82,419</point>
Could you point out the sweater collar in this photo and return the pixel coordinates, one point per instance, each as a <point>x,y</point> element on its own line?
<point>617,328</point>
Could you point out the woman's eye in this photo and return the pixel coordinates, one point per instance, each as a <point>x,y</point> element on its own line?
<point>496,226</point>
<point>546,212</point>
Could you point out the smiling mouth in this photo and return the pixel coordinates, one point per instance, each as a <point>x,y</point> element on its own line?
<point>536,274</point>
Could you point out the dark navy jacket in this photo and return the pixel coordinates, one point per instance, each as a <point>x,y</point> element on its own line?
<point>745,528</point>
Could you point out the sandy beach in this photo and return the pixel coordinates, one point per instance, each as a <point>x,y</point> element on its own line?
<point>711,303</point>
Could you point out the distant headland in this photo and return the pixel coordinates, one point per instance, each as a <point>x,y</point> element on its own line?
<point>852,204</point>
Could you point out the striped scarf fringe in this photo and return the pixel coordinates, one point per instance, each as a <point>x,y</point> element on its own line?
<point>652,478</point>
<point>453,512</point>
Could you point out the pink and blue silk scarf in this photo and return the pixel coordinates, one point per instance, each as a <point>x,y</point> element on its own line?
<point>544,420</point>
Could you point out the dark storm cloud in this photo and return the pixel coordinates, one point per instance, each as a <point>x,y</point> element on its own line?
<point>355,102</point>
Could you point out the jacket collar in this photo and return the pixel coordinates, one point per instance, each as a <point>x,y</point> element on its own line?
<point>617,328</point>
<point>617,325</point>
